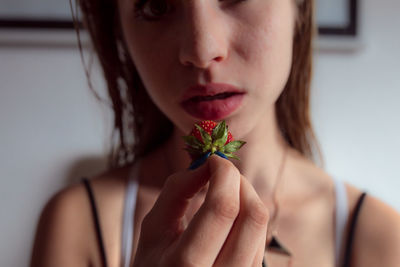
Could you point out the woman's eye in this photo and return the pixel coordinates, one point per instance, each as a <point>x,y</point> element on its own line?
<point>233,2</point>
<point>152,9</point>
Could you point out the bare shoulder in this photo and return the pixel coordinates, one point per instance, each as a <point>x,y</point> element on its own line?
<point>65,234</point>
<point>59,240</point>
<point>377,235</point>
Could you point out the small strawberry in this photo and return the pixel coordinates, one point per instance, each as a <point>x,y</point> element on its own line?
<point>208,126</point>
<point>208,138</point>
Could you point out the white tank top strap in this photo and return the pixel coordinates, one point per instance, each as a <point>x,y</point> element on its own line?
<point>128,216</point>
<point>341,218</point>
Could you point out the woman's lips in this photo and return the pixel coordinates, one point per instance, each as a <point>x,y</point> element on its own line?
<point>213,107</point>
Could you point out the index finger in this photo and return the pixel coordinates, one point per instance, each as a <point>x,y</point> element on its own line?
<point>174,198</point>
<point>207,231</point>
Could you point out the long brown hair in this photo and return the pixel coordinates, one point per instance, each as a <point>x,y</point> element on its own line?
<point>293,105</point>
<point>135,113</point>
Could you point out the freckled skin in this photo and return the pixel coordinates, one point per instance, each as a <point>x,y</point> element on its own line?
<point>246,44</point>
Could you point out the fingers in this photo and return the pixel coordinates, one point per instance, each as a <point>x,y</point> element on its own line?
<point>246,242</point>
<point>258,260</point>
<point>229,229</point>
<point>208,230</point>
<point>169,209</point>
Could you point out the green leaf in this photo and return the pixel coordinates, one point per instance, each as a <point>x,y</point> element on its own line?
<point>230,155</point>
<point>206,148</point>
<point>192,141</point>
<point>204,135</point>
<point>219,130</point>
<point>233,146</point>
<point>220,134</point>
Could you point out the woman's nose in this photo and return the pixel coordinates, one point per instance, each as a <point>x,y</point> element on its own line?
<point>203,39</point>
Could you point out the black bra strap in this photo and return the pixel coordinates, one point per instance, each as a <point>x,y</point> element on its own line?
<point>96,220</point>
<point>350,238</point>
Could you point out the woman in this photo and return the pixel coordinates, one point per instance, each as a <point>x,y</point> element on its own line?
<point>172,64</point>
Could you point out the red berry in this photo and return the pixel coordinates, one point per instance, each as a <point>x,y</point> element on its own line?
<point>208,126</point>
<point>199,148</point>
<point>230,138</point>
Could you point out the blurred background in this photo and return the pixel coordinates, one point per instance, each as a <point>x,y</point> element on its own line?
<point>53,131</point>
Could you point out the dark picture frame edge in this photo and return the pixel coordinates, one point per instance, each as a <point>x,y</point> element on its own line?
<point>350,29</point>
<point>36,24</point>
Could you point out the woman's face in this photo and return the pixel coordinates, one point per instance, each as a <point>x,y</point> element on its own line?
<point>211,59</point>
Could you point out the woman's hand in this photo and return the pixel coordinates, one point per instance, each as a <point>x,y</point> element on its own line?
<point>229,229</point>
